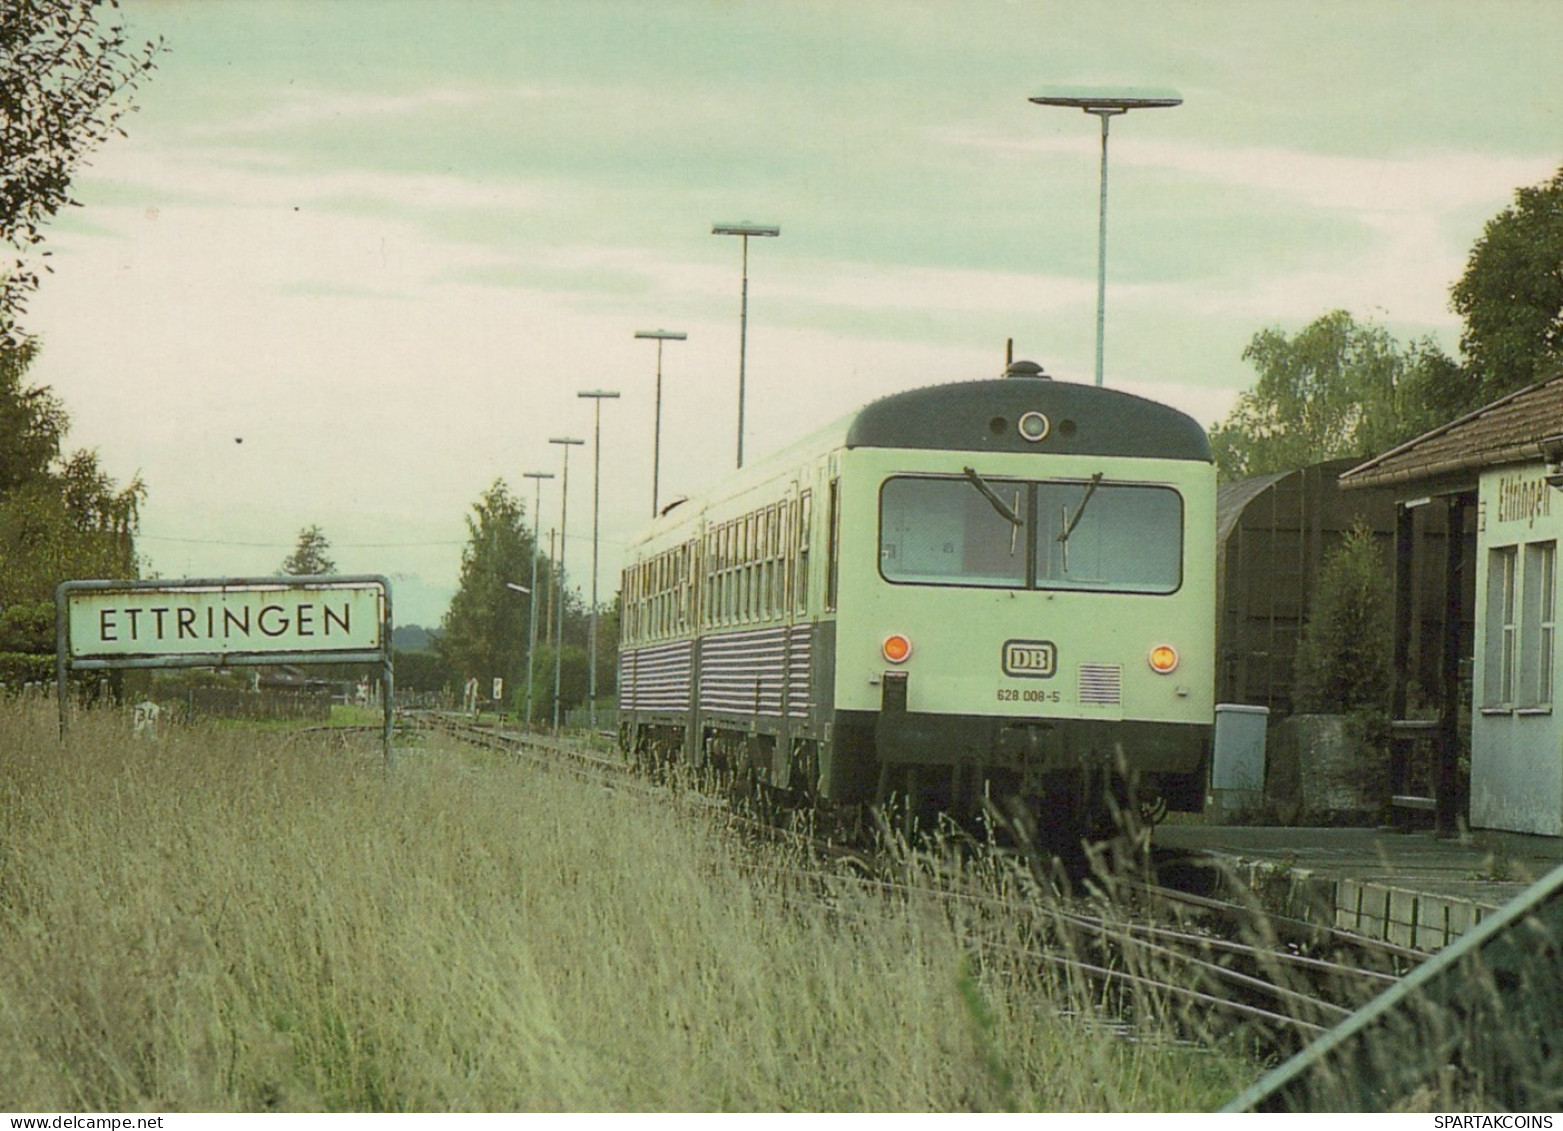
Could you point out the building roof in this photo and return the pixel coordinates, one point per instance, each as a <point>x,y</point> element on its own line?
<point>1518,428</point>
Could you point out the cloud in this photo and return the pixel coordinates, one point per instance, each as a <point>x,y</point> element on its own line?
<point>296,109</point>
<point>229,176</point>
<point>1435,181</point>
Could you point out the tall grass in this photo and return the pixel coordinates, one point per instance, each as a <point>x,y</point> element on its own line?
<point>218,920</point>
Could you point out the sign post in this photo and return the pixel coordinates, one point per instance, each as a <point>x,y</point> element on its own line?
<point>224,622</point>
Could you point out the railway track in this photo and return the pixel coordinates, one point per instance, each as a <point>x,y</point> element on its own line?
<point>1219,969</point>
<point>545,749</point>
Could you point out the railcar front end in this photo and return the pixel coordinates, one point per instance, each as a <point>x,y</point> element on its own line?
<point>1026,601</point>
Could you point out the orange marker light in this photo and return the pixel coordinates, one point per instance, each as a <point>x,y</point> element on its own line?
<point>1164,658</point>
<point>896,648</point>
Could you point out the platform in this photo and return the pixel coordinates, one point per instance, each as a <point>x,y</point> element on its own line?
<point>1410,888</point>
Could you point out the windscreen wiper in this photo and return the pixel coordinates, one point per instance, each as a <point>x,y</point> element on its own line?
<point>1071,523</point>
<point>1090,489</point>
<point>991,495</point>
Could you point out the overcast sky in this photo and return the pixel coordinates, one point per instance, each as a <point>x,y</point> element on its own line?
<point>385,242</point>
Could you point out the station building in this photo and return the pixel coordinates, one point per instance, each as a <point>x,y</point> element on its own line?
<point>1497,472</point>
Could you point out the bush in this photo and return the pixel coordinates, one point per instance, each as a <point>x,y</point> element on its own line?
<point>1345,659</point>
<point>18,668</point>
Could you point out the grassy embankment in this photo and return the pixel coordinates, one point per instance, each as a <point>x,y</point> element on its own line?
<point>229,920</point>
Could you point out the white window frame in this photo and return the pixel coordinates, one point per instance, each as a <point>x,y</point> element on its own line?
<point>1538,625</point>
<point>1502,607</point>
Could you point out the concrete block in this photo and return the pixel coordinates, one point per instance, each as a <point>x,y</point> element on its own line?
<point>1401,916</point>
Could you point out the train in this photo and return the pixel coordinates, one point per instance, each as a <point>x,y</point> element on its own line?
<point>985,596</point>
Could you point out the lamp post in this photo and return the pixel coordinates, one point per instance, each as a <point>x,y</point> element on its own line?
<point>656,435</point>
<point>1105,104</point>
<point>745,230</point>
<point>531,616</point>
<point>564,514</point>
<point>527,593</point>
<point>597,396</point>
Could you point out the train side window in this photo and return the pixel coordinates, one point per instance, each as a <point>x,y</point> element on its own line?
<point>805,529</point>
<point>777,591</point>
<point>833,548</point>
<point>687,589</point>
<point>778,586</point>
<point>789,556</point>
<point>627,586</point>
<point>645,599</point>
<point>703,580</point>
<point>729,590</point>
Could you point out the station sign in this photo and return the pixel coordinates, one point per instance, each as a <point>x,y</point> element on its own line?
<point>252,618</point>
<point>222,622</point>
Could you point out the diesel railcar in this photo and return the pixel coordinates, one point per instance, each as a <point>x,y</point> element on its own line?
<point>981,590</point>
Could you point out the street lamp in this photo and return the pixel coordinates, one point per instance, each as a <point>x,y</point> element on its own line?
<point>531,615</point>
<point>745,230</point>
<point>564,514</point>
<point>597,396</point>
<point>525,592</point>
<point>1105,104</point>
<point>656,435</point>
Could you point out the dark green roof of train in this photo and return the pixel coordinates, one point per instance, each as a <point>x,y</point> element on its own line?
<point>983,416</point>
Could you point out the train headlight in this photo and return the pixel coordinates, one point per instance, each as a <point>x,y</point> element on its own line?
<point>1164,659</point>
<point>896,648</point>
<point>1034,427</point>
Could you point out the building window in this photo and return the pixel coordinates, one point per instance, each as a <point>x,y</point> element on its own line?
<point>1538,624</point>
<point>1498,679</point>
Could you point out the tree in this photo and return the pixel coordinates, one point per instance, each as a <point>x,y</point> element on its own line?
<point>574,681</point>
<point>309,556</point>
<point>60,519</point>
<point>76,525</point>
<point>1336,388</point>
<point>32,420</point>
<point>485,628</point>
<point>67,74</point>
<point>418,670</point>
<point>1511,295</point>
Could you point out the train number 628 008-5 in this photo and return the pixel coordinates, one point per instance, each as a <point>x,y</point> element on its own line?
<point>1029,695</point>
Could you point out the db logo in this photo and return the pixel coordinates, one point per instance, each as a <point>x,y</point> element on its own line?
<point>1031,659</point>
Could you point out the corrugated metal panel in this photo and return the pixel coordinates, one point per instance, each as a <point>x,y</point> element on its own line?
<point>750,672</point>
<point>744,672</point>
<point>800,698</point>
<point>655,679</point>
<point>1233,498</point>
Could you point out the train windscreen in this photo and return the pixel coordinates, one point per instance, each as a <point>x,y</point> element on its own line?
<point>1018,534</point>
